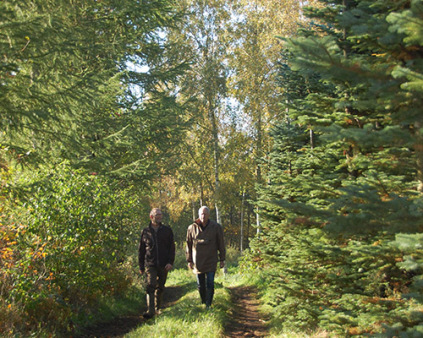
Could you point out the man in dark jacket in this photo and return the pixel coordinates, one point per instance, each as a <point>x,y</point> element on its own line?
<point>156,254</point>
<point>204,242</point>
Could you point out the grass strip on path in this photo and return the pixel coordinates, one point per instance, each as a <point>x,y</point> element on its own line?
<point>187,317</point>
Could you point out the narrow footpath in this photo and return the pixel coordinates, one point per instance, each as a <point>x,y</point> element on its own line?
<point>246,319</point>
<point>119,327</point>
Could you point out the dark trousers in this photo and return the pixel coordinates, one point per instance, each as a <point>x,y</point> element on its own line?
<point>205,284</point>
<point>156,280</point>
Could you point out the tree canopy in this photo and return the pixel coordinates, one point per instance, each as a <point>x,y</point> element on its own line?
<point>343,192</point>
<point>297,122</point>
<point>67,89</point>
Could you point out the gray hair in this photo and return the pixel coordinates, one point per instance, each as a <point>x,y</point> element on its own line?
<point>205,208</point>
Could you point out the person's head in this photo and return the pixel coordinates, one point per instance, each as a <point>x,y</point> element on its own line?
<point>156,216</point>
<point>204,214</point>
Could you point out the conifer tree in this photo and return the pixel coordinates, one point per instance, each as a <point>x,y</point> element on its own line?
<point>85,87</point>
<point>331,227</point>
<point>65,83</point>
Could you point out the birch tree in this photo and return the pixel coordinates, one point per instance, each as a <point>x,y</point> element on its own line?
<point>205,84</point>
<point>255,55</point>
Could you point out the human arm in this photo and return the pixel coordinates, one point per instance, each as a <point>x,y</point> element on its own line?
<point>141,254</point>
<point>221,246</point>
<point>188,250</point>
<point>171,258</point>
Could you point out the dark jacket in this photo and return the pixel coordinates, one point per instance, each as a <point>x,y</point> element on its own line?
<point>203,245</point>
<point>156,249</point>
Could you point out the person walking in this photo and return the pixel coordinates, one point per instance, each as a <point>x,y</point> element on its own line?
<point>205,246</point>
<point>156,255</point>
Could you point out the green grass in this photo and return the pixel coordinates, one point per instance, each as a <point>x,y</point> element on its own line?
<point>188,317</point>
<point>174,320</point>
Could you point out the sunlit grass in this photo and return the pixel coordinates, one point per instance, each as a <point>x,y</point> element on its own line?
<point>187,317</point>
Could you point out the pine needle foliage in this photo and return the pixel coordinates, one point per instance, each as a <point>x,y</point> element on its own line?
<point>342,208</point>
<point>87,109</point>
<point>71,84</point>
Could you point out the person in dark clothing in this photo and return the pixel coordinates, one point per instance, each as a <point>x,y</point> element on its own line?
<point>156,255</point>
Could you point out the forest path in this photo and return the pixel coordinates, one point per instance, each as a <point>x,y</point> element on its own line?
<point>246,320</point>
<point>120,326</point>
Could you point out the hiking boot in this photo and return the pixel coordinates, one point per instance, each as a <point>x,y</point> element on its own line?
<point>150,306</point>
<point>147,315</point>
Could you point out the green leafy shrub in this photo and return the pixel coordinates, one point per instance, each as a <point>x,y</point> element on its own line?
<point>69,246</point>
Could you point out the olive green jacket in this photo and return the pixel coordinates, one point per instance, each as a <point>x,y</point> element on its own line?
<point>205,247</point>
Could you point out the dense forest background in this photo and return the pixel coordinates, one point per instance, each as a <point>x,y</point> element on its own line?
<point>299,123</point>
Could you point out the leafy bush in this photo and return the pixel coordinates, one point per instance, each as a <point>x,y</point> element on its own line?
<point>63,247</point>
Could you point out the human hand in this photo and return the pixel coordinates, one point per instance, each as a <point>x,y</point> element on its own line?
<point>168,267</point>
<point>222,264</point>
<point>191,265</point>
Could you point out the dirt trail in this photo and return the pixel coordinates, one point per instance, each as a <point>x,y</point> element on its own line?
<point>119,327</point>
<point>246,319</point>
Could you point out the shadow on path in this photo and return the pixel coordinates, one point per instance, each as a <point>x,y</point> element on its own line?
<point>123,325</point>
<point>246,319</point>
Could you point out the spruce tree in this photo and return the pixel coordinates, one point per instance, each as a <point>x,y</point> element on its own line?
<point>333,240</point>
<point>67,89</point>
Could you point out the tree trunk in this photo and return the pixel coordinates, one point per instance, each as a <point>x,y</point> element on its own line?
<point>248,226</point>
<point>194,211</point>
<point>216,164</point>
<point>242,222</point>
<point>201,194</point>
